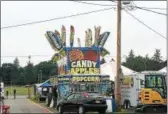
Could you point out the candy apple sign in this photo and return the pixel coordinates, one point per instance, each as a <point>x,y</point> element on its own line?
<point>83,61</point>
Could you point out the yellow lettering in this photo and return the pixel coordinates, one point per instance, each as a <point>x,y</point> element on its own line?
<point>77,70</point>
<point>82,70</point>
<point>72,70</point>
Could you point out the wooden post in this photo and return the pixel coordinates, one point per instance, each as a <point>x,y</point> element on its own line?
<point>118,89</point>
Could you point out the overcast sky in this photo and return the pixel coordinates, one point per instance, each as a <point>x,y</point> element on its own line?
<point>30,39</point>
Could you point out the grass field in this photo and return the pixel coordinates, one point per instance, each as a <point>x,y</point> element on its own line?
<point>20,90</point>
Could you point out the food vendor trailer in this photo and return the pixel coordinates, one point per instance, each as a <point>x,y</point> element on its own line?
<point>76,83</point>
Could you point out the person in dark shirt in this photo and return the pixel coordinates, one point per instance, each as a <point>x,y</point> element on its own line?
<point>14,93</point>
<point>55,95</point>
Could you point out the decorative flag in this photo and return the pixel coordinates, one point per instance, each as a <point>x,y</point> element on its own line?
<point>55,39</point>
<point>79,43</point>
<point>56,57</point>
<point>97,35</point>
<point>63,35</point>
<point>51,42</point>
<point>58,38</point>
<point>104,52</point>
<point>62,52</point>
<point>86,39</point>
<point>103,39</point>
<point>72,32</point>
<point>89,37</point>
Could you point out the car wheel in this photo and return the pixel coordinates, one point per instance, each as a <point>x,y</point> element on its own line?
<point>81,110</point>
<point>60,110</point>
<point>102,111</point>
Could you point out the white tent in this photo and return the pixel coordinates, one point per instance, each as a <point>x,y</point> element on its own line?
<point>109,68</point>
<point>163,69</point>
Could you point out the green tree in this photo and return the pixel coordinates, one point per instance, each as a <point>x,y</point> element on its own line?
<point>29,72</point>
<point>130,60</point>
<point>16,62</point>
<point>157,56</point>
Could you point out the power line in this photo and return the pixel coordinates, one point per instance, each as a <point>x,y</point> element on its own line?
<point>145,24</point>
<point>93,3</point>
<point>154,8</point>
<point>150,10</point>
<point>27,56</point>
<point>142,8</point>
<point>57,18</point>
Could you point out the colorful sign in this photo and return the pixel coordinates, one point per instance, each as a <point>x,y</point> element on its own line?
<point>83,60</point>
<point>85,79</point>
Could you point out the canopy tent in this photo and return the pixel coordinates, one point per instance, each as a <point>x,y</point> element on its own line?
<point>163,69</point>
<point>109,68</point>
<point>46,84</point>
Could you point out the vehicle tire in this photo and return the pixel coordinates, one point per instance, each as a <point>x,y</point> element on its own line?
<point>60,110</point>
<point>102,111</point>
<point>81,110</point>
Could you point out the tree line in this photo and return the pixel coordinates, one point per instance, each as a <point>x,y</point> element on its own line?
<point>14,74</point>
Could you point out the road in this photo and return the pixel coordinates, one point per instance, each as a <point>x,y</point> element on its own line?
<point>22,105</point>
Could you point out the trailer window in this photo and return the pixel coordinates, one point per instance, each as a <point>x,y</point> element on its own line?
<point>152,81</point>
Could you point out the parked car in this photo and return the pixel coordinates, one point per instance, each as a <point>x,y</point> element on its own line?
<point>82,102</point>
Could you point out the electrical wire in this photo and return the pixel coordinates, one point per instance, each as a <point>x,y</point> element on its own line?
<point>57,18</point>
<point>135,6</point>
<point>26,56</point>
<point>93,3</point>
<point>145,25</point>
<point>153,8</point>
<point>150,10</point>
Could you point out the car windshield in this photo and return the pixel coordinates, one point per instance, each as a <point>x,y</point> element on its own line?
<point>93,95</point>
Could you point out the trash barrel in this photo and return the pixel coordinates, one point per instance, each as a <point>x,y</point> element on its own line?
<point>111,104</point>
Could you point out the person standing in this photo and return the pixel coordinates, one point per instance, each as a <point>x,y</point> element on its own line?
<point>7,93</point>
<point>55,95</point>
<point>14,93</point>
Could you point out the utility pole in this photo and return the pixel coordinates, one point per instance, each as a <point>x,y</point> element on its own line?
<point>118,89</point>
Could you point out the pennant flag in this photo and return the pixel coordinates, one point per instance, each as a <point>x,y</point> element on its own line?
<point>103,39</point>
<point>97,35</point>
<point>79,42</point>
<point>56,57</point>
<point>102,61</point>
<point>86,39</point>
<point>51,42</point>
<point>63,35</point>
<point>58,38</point>
<point>55,39</point>
<point>104,52</point>
<point>62,52</point>
<point>89,37</point>
<point>72,32</point>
